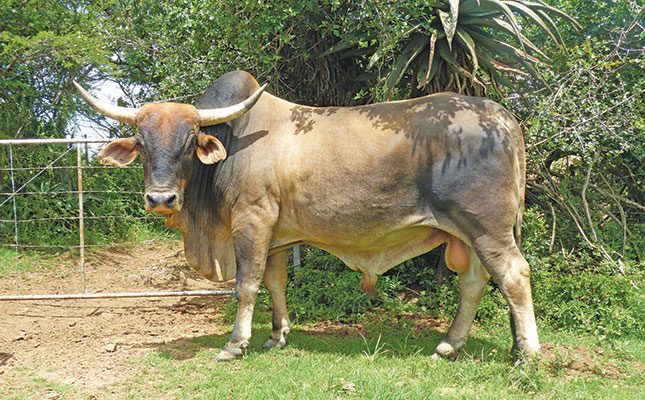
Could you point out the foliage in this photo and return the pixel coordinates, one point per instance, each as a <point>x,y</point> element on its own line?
<point>585,141</point>
<point>43,44</point>
<point>576,293</point>
<point>325,289</point>
<point>447,45</point>
<point>571,293</point>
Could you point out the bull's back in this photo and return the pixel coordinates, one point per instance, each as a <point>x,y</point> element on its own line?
<point>349,174</point>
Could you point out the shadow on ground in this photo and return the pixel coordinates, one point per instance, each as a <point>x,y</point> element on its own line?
<point>368,339</point>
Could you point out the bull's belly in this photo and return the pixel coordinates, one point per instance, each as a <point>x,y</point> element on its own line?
<point>377,255</point>
<point>375,252</point>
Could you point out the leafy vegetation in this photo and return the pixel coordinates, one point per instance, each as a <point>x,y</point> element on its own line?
<point>450,45</point>
<point>573,294</point>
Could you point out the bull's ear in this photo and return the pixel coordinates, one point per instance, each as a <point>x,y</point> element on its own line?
<point>119,153</point>
<point>209,149</point>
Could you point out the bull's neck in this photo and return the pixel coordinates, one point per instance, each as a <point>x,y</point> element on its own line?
<point>202,195</point>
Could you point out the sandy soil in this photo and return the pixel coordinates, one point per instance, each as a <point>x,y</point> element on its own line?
<point>87,344</point>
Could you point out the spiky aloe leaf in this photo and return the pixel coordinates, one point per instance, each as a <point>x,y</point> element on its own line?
<point>416,45</point>
<point>477,9</point>
<point>523,9</point>
<point>542,6</point>
<point>433,70</point>
<point>468,42</point>
<point>552,24</point>
<point>508,13</point>
<point>500,24</point>
<point>445,53</point>
<point>449,20</point>
<point>465,33</point>
<point>426,69</point>
<point>500,46</point>
<point>492,69</point>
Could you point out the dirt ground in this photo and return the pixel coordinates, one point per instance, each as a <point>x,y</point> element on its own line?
<point>87,344</point>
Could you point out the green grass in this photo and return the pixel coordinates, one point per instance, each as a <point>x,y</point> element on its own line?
<point>385,363</point>
<point>35,387</point>
<point>25,261</point>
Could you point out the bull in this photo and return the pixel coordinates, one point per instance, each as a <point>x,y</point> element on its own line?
<point>245,175</point>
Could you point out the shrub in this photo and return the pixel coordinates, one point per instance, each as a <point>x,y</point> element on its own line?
<point>325,289</point>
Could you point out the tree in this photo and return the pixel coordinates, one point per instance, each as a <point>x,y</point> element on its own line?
<point>43,44</point>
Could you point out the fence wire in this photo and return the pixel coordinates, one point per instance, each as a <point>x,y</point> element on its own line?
<point>57,199</point>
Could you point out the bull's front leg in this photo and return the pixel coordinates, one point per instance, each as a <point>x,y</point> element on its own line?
<point>251,249</point>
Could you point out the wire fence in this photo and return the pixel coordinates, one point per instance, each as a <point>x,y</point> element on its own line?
<point>54,197</point>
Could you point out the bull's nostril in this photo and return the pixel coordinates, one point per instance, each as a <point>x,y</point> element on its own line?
<point>151,200</point>
<point>158,201</point>
<point>170,200</point>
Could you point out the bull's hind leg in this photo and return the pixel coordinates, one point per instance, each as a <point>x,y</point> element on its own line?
<point>510,271</point>
<point>472,281</point>
<point>275,280</point>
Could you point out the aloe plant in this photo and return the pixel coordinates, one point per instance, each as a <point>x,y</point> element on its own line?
<point>470,45</point>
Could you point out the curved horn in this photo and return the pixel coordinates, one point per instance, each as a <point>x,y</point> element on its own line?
<point>122,114</point>
<point>216,116</point>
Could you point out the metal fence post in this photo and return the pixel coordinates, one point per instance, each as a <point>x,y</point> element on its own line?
<point>13,190</point>
<point>81,221</point>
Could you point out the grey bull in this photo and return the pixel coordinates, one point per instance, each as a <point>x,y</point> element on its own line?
<point>246,175</point>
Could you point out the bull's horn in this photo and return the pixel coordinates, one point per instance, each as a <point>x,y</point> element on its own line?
<point>122,114</point>
<point>216,116</point>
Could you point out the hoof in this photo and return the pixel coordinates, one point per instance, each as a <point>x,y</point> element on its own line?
<point>275,344</point>
<point>445,350</point>
<point>230,352</point>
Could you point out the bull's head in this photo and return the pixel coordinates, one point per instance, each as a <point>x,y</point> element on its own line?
<point>168,137</point>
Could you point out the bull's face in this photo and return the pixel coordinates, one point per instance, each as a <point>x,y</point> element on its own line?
<point>168,138</point>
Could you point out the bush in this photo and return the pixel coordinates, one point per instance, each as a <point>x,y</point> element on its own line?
<point>604,304</point>
<point>325,289</point>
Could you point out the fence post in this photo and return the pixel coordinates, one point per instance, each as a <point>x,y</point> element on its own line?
<point>13,191</point>
<point>81,222</point>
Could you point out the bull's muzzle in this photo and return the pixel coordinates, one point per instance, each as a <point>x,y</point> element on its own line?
<point>162,202</point>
